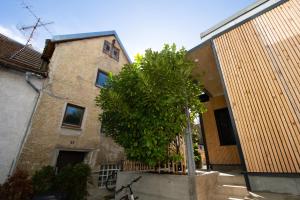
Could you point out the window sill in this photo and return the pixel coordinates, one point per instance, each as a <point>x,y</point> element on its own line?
<point>99,86</point>
<point>71,127</point>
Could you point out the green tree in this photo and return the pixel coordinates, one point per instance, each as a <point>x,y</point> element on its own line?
<point>143,106</point>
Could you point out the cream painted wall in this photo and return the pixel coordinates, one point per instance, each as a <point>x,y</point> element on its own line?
<point>17,102</point>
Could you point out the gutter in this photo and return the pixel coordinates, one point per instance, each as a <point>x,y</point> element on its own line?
<point>38,91</point>
<point>27,78</point>
<point>233,17</point>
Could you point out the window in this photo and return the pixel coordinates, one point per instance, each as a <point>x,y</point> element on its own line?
<point>101,78</point>
<point>105,171</point>
<point>73,116</point>
<point>111,50</point>
<point>224,126</point>
<point>106,47</point>
<point>115,53</point>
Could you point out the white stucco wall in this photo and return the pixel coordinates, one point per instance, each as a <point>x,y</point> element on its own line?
<point>17,101</point>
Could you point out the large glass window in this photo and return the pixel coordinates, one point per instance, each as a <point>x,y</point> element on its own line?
<point>224,126</point>
<point>73,115</point>
<point>101,79</point>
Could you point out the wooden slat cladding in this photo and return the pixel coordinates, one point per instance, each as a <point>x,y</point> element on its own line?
<point>260,63</point>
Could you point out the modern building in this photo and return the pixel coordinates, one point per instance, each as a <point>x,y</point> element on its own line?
<point>251,67</point>
<point>21,77</point>
<point>65,127</point>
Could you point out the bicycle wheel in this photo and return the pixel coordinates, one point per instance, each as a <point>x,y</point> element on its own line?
<point>125,197</point>
<point>110,183</point>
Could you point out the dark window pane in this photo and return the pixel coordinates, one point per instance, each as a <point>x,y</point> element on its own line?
<point>111,50</point>
<point>224,126</point>
<point>101,79</point>
<point>106,47</point>
<point>73,115</point>
<point>115,53</point>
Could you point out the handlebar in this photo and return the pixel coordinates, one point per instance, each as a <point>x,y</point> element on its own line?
<point>136,180</point>
<point>128,186</point>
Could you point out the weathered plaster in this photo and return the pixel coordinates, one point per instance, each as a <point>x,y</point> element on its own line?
<point>17,102</point>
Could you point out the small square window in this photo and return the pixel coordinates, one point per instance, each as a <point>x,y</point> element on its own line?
<point>73,116</point>
<point>101,78</point>
<point>115,53</point>
<point>106,47</point>
<point>111,50</point>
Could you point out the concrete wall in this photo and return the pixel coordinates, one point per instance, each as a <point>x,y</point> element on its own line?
<point>169,187</point>
<point>289,185</point>
<point>73,71</point>
<point>17,101</point>
<point>218,155</point>
<point>156,186</point>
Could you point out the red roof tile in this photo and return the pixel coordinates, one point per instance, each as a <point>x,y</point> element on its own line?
<point>27,59</point>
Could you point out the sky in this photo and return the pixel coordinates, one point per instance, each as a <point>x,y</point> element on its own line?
<point>140,24</point>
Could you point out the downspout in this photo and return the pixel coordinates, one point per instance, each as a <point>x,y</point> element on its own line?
<point>202,133</point>
<point>27,78</point>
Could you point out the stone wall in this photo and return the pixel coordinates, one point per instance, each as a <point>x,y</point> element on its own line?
<point>73,71</point>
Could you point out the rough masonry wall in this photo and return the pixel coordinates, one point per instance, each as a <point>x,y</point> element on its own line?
<point>73,70</point>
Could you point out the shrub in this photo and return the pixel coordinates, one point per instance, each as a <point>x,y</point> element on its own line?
<point>72,181</point>
<point>17,187</point>
<point>43,180</point>
<point>143,106</point>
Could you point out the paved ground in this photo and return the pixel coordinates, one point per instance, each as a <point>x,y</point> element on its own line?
<point>273,196</point>
<point>98,194</point>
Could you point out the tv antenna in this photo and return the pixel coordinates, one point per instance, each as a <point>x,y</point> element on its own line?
<point>33,28</point>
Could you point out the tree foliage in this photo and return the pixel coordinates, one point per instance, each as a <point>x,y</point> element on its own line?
<point>143,106</point>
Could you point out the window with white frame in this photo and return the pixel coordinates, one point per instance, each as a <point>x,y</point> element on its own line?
<point>105,171</point>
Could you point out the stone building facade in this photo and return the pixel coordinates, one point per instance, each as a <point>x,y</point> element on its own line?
<point>75,63</point>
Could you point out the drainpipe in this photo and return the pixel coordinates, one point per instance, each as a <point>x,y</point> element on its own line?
<point>27,78</point>
<point>202,133</point>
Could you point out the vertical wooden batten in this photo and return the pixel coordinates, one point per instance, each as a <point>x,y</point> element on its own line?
<point>231,117</point>
<point>259,64</point>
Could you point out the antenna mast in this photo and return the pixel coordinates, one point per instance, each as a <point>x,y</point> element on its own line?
<point>34,27</point>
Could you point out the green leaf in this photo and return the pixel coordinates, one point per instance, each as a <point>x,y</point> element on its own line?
<point>142,108</point>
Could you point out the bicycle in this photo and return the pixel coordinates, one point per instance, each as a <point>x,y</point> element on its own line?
<point>129,196</point>
<point>111,180</point>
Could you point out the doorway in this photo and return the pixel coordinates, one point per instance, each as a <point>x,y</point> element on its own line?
<point>65,158</point>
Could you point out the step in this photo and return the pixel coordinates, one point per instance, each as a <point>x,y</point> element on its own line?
<point>226,197</point>
<point>234,190</point>
<point>228,179</point>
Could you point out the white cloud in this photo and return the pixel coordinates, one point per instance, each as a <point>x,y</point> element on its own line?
<point>13,33</point>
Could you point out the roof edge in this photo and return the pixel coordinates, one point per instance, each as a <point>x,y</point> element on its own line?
<point>81,36</point>
<point>233,20</point>
<point>203,43</point>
